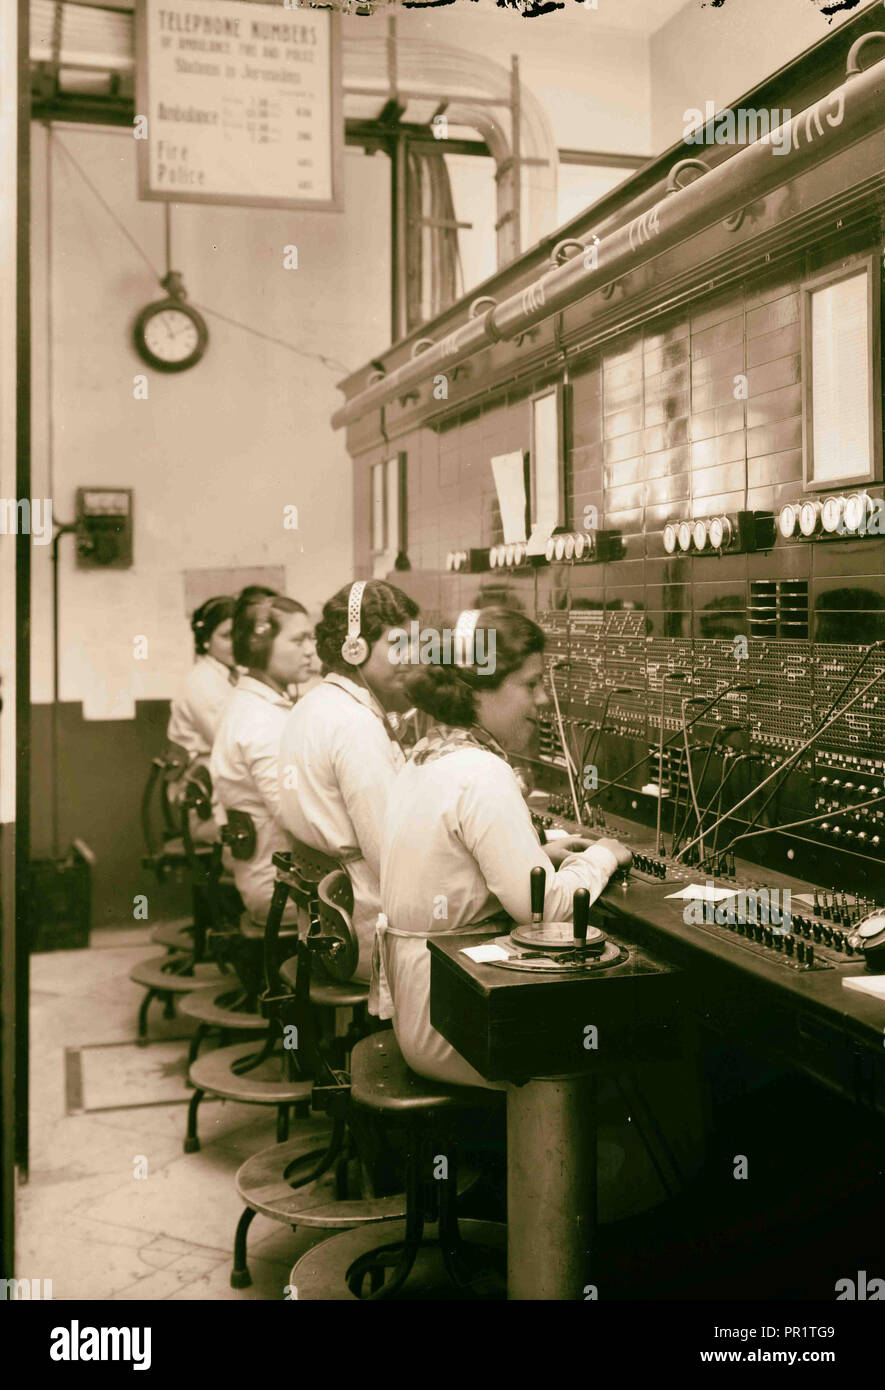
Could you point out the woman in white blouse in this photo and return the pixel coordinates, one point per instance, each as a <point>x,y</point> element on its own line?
<point>457,851</point>
<point>459,845</point>
<point>201,701</point>
<point>273,641</point>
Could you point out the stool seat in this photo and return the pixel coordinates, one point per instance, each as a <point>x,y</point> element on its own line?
<point>159,974</point>
<point>381,1080</point>
<point>264,1182</point>
<point>265,1084</point>
<point>217,1009</point>
<point>321,1273</point>
<point>174,937</point>
<point>328,993</point>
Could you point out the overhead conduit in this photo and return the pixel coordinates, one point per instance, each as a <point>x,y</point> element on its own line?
<point>716,194</point>
<point>472,90</point>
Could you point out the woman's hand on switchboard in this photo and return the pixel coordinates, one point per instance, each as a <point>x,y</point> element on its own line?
<point>623,855</point>
<point>557,850</point>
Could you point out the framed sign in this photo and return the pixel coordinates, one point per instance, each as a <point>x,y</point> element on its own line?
<point>239,102</point>
<point>841,373</point>
<point>547,466</point>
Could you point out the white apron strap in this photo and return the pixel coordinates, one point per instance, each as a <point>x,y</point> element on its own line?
<point>380,998</point>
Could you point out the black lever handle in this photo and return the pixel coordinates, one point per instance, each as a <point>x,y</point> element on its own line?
<point>581,914</point>
<point>539,886</point>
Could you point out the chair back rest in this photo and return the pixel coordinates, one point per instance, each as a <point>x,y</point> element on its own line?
<point>311,865</point>
<point>198,791</point>
<point>239,834</point>
<point>335,895</point>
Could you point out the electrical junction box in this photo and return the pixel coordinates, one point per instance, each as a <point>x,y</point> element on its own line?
<point>104,528</point>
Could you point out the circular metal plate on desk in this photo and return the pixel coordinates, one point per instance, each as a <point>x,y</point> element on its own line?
<point>564,963</point>
<point>559,936</point>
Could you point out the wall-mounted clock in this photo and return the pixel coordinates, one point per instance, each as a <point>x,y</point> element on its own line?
<point>170,335</point>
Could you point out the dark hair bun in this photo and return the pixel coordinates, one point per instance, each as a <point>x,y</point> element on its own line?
<point>209,616</point>
<point>440,693</point>
<point>447,691</point>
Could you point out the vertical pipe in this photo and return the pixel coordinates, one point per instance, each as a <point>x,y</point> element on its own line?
<point>399,156</point>
<point>23,594</point>
<point>9,897</point>
<point>516,121</point>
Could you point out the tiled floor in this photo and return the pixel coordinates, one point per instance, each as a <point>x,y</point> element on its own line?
<point>84,1220</point>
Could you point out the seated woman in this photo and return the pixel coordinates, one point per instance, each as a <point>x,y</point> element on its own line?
<point>458,848</point>
<point>340,750</point>
<point>201,701</point>
<point>273,642</point>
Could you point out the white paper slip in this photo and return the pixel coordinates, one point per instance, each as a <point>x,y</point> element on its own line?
<point>509,474</point>
<point>867,984</point>
<point>707,892</point>
<point>486,952</point>
<point>556,832</point>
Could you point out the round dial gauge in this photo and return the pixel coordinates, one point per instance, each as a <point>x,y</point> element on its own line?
<point>720,532</point>
<point>560,547</point>
<point>699,535</point>
<point>857,510</point>
<point>871,927</point>
<point>809,518</point>
<point>669,538</point>
<point>580,546</point>
<point>509,553</point>
<point>787,521</point>
<point>832,513</point>
<point>569,547</point>
<point>683,534</point>
<point>518,554</point>
<point>170,336</point>
<point>550,548</point>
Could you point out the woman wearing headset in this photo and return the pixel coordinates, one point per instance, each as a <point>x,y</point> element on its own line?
<point>273,641</point>
<point>340,751</point>
<point>457,853</point>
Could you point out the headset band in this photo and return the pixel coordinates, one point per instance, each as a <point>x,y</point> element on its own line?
<point>465,632</point>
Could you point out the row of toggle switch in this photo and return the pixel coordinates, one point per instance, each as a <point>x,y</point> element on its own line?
<point>789,944</point>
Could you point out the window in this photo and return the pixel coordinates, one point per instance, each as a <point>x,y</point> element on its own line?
<point>841,372</point>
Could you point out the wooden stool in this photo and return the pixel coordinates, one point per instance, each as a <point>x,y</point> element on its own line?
<point>292,1183</point>
<point>255,1077</point>
<point>273,1074</point>
<point>429,1117</point>
<point>168,977</point>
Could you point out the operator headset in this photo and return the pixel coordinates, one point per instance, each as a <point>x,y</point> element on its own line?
<point>355,651</point>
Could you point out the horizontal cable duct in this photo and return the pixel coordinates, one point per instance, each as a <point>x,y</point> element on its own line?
<point>815,134</point>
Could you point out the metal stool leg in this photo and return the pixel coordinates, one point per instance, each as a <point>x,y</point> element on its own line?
<point>401,1257</point>
<point>240,1278</point>
<point>196,1042</point>
<point>142,1039</point>
<point>466,1265</point>
<point>192,1142</point>
<point>282,1123</point>
<point>169,1006</point>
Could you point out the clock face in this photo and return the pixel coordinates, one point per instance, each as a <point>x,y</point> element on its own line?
<point>170,336</point>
